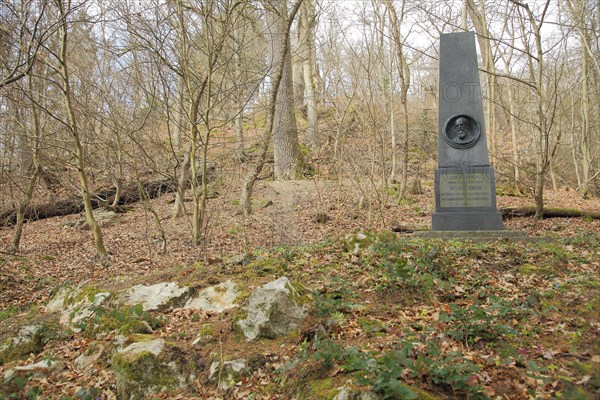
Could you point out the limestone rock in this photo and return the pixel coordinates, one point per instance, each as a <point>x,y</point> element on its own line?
<point>160,296</point>
<point>357,242</point>
<point>227,374</point>
<point>90,356</point>
<point>273,310</point>
<point>349,393</point>
<point>136,326</point>
<point>77,314</point>
<point>149,367</point>
<point>30,339</point>
<point>215,298</point>
<point>38,370</point>
<point>57,303</point>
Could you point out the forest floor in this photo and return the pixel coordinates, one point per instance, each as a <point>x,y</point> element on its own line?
<point>524,316</point>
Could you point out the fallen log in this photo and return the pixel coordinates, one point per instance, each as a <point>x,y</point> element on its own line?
<point>130,193</point>
<point>527,211</point>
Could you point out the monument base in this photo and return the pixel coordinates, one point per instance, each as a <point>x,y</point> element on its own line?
<point>465,199</point>
<point>467,221</point>
<point>479,236</point>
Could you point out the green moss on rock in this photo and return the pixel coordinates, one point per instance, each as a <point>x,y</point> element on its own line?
<point>135,326</point>
<point>357,242</point>
<point>141,375</point>
<point>31,339</point>
<point>146,368</point>
<point>324,389</point>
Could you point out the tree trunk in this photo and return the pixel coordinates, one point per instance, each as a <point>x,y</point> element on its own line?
<point>252,176</point>
<point>37,169</point>
<point>75,136</point>
<point>102,198</point>
<point>528,211</point>
<point>285,135</point>
<point>404,75</point>
<point>238,119</point>
<point>578,12</point>
<point>182,184</point>
<point>309,64</point>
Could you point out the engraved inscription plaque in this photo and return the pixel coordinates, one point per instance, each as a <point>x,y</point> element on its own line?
<point>465,190</point>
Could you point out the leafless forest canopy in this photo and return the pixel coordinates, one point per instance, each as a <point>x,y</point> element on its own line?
<point>107,93</point>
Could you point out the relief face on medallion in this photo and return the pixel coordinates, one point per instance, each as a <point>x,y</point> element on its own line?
<point>462,131</point>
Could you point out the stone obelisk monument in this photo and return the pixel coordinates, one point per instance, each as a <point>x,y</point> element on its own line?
<point>465,188</point>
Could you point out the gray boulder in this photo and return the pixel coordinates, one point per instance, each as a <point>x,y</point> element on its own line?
<point>228,373</point>
<point>90,356</point>
<point>57,303</point>
<point>147,368</point>
<point>160,296</point>
<point>215,298</point>
<point>102,216</point>
<point>38,370</point>
<point>78,314</point>
<point>77,305</point>
<point>273,310</point>
<point>349,393</point>
<point>29,339</point>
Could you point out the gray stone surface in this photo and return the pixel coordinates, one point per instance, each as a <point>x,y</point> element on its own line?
<point>161,296</point>
<point>146,368</point>
<point>349,393</point>
<point>226,375</point>
<point>273,310</point>
<point>465,189</point>
<point>57,303</point>
<point>29,339</point>
<point>459,95</point>
<point>89,357</point>
<point>215,298</point>
<point>154,346</point>
<point>38,370</point>
<point>78,313</point>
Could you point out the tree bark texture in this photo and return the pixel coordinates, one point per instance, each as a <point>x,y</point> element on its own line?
<point>285,135</point>
<point>75,134</point>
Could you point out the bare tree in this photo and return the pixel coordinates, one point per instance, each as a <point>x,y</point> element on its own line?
<point>307,25</point>
<point>404,77</point>
<point>253,173</point>
<point>24,30</point>
<point>65,8</point>
<point>285,134</point>
<point>580,14</point>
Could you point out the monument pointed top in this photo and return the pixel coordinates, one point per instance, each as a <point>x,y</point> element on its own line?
<point>461,123</point>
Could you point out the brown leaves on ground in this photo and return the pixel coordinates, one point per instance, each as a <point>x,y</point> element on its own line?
<point>554,351</point>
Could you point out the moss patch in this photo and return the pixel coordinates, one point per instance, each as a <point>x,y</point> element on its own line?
<point>30,340</point>
<point>322,389</point>
<point>141,375</point>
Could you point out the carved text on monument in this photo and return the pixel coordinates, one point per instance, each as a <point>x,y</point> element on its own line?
<point>458,190</point>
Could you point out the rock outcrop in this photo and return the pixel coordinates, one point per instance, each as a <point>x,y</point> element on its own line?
<point>215,298</point>
<point>30,339</point>
<point>145,368</point>
<point>157,297</point>
<point>226,374</point>
<point>273,310</point>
